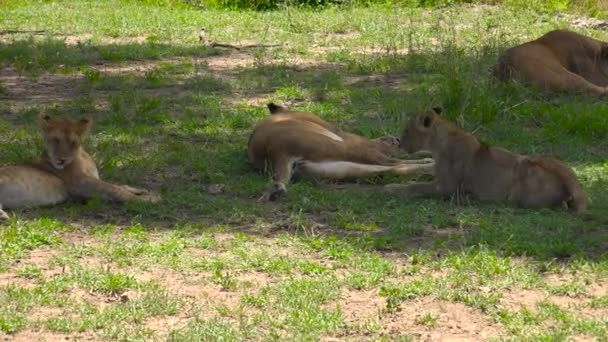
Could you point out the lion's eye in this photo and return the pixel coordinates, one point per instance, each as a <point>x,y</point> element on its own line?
<point>73,143</point>
<point>56,141</point>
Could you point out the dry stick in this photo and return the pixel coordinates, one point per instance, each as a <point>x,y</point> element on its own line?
<point>202,37</point>
<point>225,45</point>
<point>5,32</point>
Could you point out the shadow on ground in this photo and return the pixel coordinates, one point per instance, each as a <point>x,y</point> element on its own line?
<point>177,120</point>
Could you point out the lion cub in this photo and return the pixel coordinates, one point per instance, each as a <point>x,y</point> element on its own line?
<point>65,171</point>
<point>288,142</point>
<point>558,61</point>
<point>463,164</point>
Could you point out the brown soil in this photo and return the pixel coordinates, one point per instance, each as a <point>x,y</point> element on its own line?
<point>46,336</point>
<point>359,306</point>
<point>455,322</point>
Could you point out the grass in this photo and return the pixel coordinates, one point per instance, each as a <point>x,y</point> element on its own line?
<point>334,261</point>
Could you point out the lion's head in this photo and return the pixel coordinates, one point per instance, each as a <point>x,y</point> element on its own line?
<point>418,132</point>
<point>62,138</point>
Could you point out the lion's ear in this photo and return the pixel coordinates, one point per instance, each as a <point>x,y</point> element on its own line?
<point>44,121</point>
<point>43,118</point>
<point>425,121</point>
<point>84,125</point>
<point>437,110</point>
<point>275,108</point>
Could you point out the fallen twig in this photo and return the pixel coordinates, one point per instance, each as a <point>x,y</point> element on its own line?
<point>202,37</point>
<point>5,32</point>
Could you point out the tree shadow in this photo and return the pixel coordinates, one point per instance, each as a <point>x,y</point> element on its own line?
<point>36,56</point>
<point>178,124</point>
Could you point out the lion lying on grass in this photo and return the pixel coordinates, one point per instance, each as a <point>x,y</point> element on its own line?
<point>65,171</point>
<point>559,61</point>
<point>465,165</point>
<point>289,142</point>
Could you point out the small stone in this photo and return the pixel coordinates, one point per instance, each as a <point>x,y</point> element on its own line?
<point>215,188</point>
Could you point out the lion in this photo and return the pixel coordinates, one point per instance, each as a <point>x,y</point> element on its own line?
<point>559,61</point>
<point>294,142</point>
<point>465,165</point>
<point>65,171</point>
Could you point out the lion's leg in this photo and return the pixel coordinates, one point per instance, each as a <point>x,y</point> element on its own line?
<point>134,190</point>
<point>347,169</point>
<point>423,160</point>
<point>375,157</point>
<point>369,154</point>
<point>576,83</point>
<point>442,186</point>
<point>558,78</point>
<point>416,167</point>
<point>539,65</point>
<point>591,70</point>
<point>340,169</point>
<point>89,187</point>
<point>282,167</point>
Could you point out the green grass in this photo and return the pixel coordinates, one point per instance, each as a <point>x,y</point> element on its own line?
<point>341,261</point>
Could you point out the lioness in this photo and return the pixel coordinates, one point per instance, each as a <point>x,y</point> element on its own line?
<point>291,141</point>
<point>65,171</point>
<point>463,164</point>
<point>558,61</point>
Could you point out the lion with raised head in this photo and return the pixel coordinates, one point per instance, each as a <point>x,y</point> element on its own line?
<point>465,165</point>
<point>559,61</point>
<point>289,142</point>
<point>65,171</point>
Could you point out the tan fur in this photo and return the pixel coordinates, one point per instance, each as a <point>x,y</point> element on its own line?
<point>464,165</point>
<point>65,171</point>
<point>288,140</point>
<point>558,61</point>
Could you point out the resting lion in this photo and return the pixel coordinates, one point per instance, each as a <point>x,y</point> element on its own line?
<point>65,171</point>
<point>558,61</point>
<point>465,165</point>
<point>289,142</point>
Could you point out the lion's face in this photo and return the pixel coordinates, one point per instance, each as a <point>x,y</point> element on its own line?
<point>417,134</point>
<point>62,138</point>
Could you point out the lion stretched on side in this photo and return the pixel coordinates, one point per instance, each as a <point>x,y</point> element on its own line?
<point>463,164</point>
<point>288,142</point>
<point>65,171</point>
<point>559,61</point>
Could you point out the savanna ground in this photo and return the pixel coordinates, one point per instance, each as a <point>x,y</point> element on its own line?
<point>334,261</point>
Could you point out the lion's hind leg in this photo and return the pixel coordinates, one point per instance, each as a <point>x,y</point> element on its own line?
<point>576,83</point>
<point>547,183</point>
<point>339,169</point>
<point>424,166</point>
<point>347,169</point>
<point>24,187</point>
<point>556,78</point>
